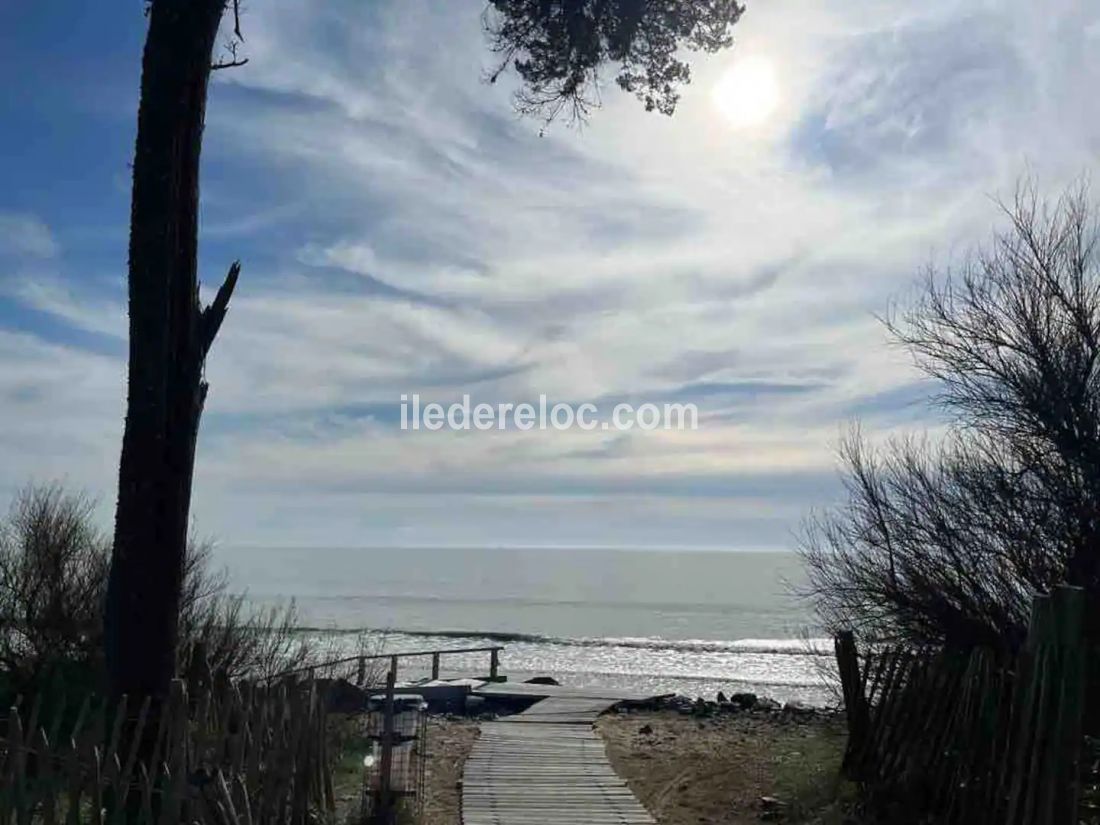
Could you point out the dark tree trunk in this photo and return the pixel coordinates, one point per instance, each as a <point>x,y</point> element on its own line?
<point>169,337</point>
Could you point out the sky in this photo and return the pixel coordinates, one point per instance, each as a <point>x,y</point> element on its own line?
<point>401,230</point>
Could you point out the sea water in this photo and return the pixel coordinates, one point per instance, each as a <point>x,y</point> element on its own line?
<point>683,621</point>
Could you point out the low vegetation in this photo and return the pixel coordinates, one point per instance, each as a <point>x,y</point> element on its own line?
<point>53,580</point>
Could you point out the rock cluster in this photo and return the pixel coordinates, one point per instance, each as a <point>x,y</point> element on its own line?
<point>740,703</point>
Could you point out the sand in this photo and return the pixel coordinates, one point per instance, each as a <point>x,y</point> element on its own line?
<point>449,742</point>
<point>719,770</point>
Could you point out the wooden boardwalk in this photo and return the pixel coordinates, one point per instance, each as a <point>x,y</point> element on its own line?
<point>547,765</point>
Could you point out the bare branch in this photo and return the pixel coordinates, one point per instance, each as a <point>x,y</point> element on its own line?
<point>237,20</point>
<point>945,544</point>
<point>213,315</point>
<point>228,64</point>
<point>231,47</point>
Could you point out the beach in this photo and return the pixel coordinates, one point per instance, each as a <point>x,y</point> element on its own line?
<point>729,768</point>
<point>692,626</point>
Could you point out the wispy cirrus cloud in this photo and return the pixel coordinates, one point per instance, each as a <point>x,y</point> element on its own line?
<point>26,235</point>
<point>402,231</point>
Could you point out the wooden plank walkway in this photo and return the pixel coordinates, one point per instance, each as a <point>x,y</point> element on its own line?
<point>547,765</point>
<point>564,711</point>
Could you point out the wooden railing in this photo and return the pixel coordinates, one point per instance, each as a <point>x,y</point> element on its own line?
<point>436,654</point>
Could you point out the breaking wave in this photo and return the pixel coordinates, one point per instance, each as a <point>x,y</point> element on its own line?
<point>777,647</point>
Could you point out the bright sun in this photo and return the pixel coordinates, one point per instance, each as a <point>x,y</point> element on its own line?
<point>747,92</point>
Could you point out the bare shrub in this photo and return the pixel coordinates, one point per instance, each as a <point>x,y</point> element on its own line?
<point>945,542</point>
<point>53,580</point>
<point>336,645</point>
<point>53,568</point>
<point>235,639</point>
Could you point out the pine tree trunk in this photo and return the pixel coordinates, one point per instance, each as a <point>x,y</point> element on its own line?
<point>169,336</point>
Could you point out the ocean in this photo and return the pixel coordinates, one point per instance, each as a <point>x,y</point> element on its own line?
<point>688,622</point>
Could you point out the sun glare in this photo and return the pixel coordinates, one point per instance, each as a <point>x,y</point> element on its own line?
<point>747,93</point>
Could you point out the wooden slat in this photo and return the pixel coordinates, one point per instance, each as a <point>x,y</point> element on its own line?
<point>547,766</point>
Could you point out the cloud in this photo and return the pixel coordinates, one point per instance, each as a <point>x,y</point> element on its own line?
<point>88,312</point>
<point>402,231</point>
<point>61,415</point>
<point>910,93</point>
<point>23,235</point>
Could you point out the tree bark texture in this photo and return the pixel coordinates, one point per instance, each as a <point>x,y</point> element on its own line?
<point>169,337</point>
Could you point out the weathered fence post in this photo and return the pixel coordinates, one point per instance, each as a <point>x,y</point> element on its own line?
<point>435,666</point>
<point>1062,792</point>
<point>855,701</point>
<point>494,664</point>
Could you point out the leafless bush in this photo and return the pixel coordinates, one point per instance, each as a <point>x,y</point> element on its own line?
<point>944,543</point>
<point>53,579</point>
<point>370,644</point>
<point>235,639</point>
<point>53,565</point>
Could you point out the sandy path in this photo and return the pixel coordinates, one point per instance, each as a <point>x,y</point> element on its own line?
<point>449,743</point>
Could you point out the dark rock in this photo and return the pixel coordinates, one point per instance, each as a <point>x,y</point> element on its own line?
<point>680,704</point>
<point>542,680</point>
<point>771,808</point>
<point>703,708</point>
<point>766,705</point>
<point>746,701</point>
<point>720,698</point>
<point>645,729</point>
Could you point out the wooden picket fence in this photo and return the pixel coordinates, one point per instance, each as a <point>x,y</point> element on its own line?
<point>975,736</point>
<point>237,755</point>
